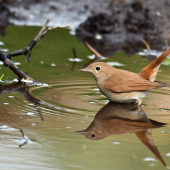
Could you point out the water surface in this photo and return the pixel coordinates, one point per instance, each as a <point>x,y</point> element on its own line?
<point>76,98</point>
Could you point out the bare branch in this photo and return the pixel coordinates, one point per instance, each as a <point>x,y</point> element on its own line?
<point>6,58</point>
<point>44,27</point>
<point>17,70</point>
<point>7,62</point>
<point>66,26</point>
<point>51,28</point>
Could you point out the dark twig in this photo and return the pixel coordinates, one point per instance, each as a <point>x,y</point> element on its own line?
<point>75,56</point>
<point>74,52</point>
<point>39,112</point>
<point>74,64</point>
<point>25,137</point>
<point>7,62</point>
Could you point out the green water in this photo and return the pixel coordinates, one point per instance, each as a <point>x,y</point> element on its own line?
<point>56,145</point>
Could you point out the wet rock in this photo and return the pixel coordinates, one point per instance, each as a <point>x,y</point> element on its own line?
<point>4,17</point>
<point>125,29</point>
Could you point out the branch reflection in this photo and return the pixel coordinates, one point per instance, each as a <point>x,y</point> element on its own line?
<point>23,89</point>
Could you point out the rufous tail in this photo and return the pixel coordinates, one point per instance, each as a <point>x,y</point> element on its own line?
<point>150,71</point>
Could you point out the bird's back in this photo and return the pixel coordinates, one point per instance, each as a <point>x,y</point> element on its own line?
<point>125,81</point>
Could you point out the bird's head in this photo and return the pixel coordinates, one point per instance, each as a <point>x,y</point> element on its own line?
<point>93,135</point>
<point>100,70</point>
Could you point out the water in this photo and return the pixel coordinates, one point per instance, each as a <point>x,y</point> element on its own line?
<point>53,142</point>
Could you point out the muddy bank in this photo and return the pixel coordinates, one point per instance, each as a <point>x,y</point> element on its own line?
<point>130,27</point>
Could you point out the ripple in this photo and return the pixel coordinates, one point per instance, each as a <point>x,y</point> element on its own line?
<point>6,128</point>
<point>30,114</point>
<point>1,43</point>
<point>151,164</point>
<point>115,64</point>
<point>70,95</point>
<point>116,143</point>
<point>163,131</point>
<point>75,59</point>
<point>168,154</point>
<point>150,159</point>
<point>16,63</point>
<point>72,98</point>
<point>53,64</point>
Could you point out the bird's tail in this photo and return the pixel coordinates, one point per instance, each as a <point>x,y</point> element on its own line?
<point>146,138</point>
<point>150,71</point>
<point>161,84</point>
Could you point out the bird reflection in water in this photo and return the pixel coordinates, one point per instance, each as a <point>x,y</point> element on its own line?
<point>119,118</point>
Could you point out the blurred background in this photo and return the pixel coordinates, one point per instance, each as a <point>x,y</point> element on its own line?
<point>114,25</point>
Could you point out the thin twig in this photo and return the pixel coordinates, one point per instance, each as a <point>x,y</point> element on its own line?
<point>74,52</point>
<point>25,137</point>
<point>98,56</point>
<point>39,112</point>
<point>75,56</point>
<point>93,50</point>
<point>145,42</point>
<point>74,64</point>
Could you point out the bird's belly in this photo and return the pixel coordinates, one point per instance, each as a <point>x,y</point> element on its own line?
<point>128,97</point>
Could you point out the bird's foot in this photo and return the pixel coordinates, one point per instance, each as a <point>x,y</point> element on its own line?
<point>139,102</point>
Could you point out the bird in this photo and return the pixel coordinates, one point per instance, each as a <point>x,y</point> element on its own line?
<point>122,118</point>
<point>124,86</point>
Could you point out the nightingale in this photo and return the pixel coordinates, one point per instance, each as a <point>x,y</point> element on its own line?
<point>122,118</point>
<point>124,86</point>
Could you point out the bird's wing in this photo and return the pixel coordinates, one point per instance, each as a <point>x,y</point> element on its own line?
<point>124,81</point>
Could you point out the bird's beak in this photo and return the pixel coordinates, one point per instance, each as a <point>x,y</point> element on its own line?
<point>85,69</point>
<point>81,132</point>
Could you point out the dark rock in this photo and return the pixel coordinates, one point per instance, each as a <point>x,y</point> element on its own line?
<point>4,17</point>
<point>125,29</point>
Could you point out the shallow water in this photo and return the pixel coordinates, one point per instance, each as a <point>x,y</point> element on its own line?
<point>76,98</point>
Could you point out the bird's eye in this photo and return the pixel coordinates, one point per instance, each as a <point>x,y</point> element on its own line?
<point>97,68</point>
<point>93,136</point>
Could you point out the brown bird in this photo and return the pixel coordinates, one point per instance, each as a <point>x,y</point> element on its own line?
<point>121,118</point>
<point>124,86</point>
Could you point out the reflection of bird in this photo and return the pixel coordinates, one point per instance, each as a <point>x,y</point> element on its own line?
<point>118,118</point>
<point>124,86</point>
